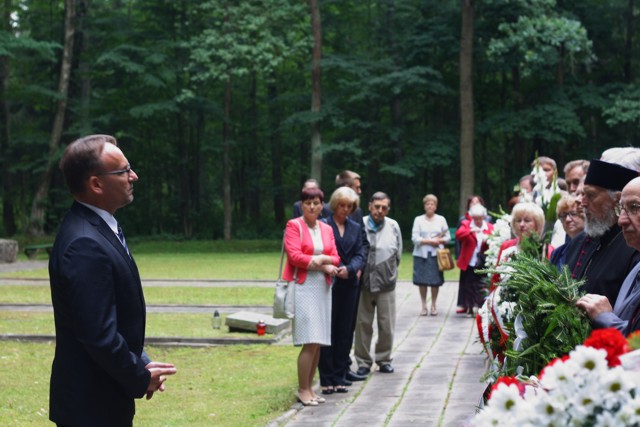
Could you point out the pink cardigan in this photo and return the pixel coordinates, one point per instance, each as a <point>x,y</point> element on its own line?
<point>299,253</point>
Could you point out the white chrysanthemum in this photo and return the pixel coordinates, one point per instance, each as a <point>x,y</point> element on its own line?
<point>584,401</point>
<point>549,411</point>
<point>589,359</point>
<point>561,374</point>
<point>617,380</point>
<point>630,412</point>
<point>615,388</point>
<point>607,419</point>
<point>506,399</point>
<point>487,418</point>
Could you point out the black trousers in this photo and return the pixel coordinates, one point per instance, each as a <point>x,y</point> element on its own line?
<point>334,359</point>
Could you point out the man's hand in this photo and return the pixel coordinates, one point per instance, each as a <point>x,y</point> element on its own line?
<point>159,372</point>
<point>594,305</point>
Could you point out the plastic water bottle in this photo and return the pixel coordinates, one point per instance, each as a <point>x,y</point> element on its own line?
<point>215,321</point>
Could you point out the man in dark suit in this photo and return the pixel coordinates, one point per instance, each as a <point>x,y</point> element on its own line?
<point>624,314</point>
<point>99,366</point>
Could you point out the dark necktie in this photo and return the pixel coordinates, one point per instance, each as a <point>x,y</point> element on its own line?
<point>122,240</point>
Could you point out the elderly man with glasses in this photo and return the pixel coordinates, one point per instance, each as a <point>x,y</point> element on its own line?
<point>624,314</point>
<point>599,254</point>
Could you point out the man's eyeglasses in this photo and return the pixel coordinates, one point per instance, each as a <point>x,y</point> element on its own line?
<point>630,208</point>
<point>572,214</point>
<point>126,170</point>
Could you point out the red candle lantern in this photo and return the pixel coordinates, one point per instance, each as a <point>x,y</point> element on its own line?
<point>261,327</point>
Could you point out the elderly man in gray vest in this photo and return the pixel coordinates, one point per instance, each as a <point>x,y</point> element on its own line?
<point>378,286</point>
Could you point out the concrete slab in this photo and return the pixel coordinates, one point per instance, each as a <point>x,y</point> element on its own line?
<point>247,320</point>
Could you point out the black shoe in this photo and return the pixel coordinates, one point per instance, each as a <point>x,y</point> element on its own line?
<point>363,372</point>
<point>352,376</point>
<point>347,383</point>
<point>386,368</point>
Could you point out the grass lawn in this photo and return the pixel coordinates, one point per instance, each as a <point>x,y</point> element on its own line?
<point>191,325</point>
<point>214,265</point>
<point>221,386</point>
<point>186,295</point>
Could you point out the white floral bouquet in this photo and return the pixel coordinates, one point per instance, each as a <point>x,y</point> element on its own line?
<point>588,387</point>
<point>500,234</point>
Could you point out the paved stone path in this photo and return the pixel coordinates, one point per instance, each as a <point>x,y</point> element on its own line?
<point>437,359</point>
<point>438,363</point>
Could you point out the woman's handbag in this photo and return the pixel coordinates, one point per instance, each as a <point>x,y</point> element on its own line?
<point>445,262</point>
<point>284,298</point>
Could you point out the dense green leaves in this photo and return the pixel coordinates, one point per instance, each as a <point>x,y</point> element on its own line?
<point>554,77</point>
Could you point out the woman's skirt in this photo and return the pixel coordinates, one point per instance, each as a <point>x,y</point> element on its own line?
<point>425,271</point>
<point>312,319</point>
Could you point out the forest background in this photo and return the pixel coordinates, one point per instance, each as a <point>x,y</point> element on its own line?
<point>225,107</point>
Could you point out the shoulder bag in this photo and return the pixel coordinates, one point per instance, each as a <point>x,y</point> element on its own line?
<point>284,297</point>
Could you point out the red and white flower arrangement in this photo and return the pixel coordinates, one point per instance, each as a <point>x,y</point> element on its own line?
<point>596,384</point>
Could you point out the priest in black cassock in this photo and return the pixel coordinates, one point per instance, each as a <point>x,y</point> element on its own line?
<point>600,254</point>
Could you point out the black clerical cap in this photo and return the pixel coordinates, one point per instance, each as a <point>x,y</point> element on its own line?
<point>608,175</point>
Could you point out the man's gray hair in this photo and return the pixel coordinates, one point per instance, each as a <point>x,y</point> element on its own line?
<point>584,164</point>
<point>379,195</point>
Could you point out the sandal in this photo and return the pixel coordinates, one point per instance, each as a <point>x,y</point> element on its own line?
<point>434,312</point>
<point>327,390</point>
<point>340,389</point>
<point>424,312</point>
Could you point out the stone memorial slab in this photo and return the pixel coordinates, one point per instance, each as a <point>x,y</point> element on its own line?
<point>243,321</point>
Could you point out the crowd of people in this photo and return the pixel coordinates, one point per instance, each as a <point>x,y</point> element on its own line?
<point>596,236</point>
<point>344,266</point>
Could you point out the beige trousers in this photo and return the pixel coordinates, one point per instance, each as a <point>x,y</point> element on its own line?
<point>385,305</point>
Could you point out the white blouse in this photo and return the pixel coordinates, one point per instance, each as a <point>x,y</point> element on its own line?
<point>425,229</point>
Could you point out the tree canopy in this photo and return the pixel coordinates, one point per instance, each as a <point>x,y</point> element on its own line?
<point>211,101</point>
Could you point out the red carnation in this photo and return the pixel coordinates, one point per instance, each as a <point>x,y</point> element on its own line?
<point>612,341</point>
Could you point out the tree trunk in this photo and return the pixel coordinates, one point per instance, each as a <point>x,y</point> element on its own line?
<point>8,215</point>
<point>316,91</point>
<point>397,119</point>
<point>226,161</point>
<point>466,105</point>
<point>38,207</point>
<point>276,154</point>
<point>253,172</point>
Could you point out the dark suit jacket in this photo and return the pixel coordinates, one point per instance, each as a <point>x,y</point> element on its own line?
<point>626,307</point>
<point>353,248</point>
<point>99,311</point>
<point>604,262</point>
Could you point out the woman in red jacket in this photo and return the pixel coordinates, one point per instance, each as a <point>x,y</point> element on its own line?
<point>312,260</point>
<point>472,235</point>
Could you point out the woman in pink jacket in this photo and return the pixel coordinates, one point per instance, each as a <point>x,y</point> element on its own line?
<point>312,260</point>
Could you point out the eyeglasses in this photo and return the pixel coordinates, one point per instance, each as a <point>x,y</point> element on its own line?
<point>126,170</point>
<point>572,214</point>
<point>630,208</point>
